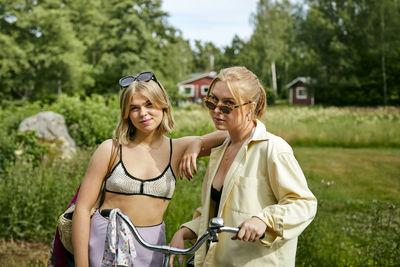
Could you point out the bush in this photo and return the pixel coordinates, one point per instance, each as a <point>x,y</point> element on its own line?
<point>90,121</point>
<point>13,142</point>
<point>344,233</point>
<point>270,97</point>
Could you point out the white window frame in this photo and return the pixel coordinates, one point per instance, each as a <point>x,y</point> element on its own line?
<point>203,92</point>
<point>182,89</point>
<point>298,90</point>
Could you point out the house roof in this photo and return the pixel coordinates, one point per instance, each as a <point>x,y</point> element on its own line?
<point>211,74</point>
<point>304,80</point>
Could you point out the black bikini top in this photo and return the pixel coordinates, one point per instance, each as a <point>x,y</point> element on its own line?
<point>216,196</point>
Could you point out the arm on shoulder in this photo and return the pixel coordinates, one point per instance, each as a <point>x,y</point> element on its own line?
<point>202,144</point>
<point>189,148</point>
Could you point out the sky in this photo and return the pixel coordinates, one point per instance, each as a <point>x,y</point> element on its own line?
<point>216,21</point>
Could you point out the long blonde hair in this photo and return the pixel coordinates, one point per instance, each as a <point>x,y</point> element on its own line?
<point>156,93</point>
<point>243,84</point>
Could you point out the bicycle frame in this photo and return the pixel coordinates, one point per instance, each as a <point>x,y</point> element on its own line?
<point>215,226</point>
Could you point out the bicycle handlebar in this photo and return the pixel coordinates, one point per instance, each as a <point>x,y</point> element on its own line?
<point>216,225</point>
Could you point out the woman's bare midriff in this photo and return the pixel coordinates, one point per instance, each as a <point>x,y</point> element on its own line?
<point>142,210</point>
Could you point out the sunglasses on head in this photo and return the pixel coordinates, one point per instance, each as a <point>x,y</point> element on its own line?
<point>223,107</point>
<point>141,77</point>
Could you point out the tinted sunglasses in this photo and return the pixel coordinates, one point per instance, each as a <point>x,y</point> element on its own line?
<point>141,77</point>
<point>223,107</point>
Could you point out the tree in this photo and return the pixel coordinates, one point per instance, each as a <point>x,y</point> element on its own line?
<point>269,43</point>
<point>232,55</point>
<point>84,47</point>
<point>351,41</point>
<point>208,57</point>
<point>46,56</point>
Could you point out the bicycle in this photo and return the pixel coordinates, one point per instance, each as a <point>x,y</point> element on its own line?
<point>215,226</point>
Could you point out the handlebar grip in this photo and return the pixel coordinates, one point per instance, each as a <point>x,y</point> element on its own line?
<point>238,229</point>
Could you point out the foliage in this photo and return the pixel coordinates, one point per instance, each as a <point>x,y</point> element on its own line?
<point>350,228</point>
<point>29,149</point>
<point>207,57</point>
<point>269,43</point>
<point>350,48</point>
<point>15,144</point>
<point>90,121</point>
<point>270,96</point>
<point>32,196</point>
<point>46,56</point>
<point>84,47</point>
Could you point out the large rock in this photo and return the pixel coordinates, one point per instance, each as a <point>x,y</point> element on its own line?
<point>50,129</point>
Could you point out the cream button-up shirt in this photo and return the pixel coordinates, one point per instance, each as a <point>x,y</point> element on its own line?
<point>266,181</point>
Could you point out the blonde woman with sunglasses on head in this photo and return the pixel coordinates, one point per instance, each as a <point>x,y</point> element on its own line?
<point>142,180</point>
<point>253,181</point>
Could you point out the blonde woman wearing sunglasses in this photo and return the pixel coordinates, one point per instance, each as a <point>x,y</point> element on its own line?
<point>253,181</point>
<point>142,180</point>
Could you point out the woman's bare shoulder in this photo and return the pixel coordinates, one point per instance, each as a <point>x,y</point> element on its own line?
<point>103,151</point>
<point>107,144</point>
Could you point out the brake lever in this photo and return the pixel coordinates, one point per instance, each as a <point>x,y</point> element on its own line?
<point>213,235</point>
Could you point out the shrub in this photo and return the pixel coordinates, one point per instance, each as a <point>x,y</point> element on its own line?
<point>11,141</point>
<point>271,97</point>
<point>90,121</point>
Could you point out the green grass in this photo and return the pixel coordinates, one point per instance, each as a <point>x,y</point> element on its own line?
<point>335,127</point>
<point>351,159</point>
<point>358,218</point>
<point>32,197</point>
<point>312,126</point>
<point>358,174</point>
<point>353,223</point>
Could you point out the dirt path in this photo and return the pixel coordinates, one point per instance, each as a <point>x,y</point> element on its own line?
<point>19,253</point>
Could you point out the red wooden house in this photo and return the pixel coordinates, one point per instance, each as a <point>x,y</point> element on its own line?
<point>196,88</point>
<point>298,93</point>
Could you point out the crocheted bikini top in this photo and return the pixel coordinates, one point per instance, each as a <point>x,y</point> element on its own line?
<point>121,181</point>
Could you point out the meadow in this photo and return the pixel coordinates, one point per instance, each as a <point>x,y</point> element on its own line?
<point>350,156</point>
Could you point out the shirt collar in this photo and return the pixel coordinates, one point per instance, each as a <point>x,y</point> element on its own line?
<point>259,133</point>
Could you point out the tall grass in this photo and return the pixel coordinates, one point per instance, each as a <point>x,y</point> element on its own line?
<point>312,126</point>
<point>338,127</point>
<point>357,223</point>
<point>32,197</point>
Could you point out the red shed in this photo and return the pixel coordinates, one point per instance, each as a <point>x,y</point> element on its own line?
<point>298,93</point>
<point>197,87</point>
